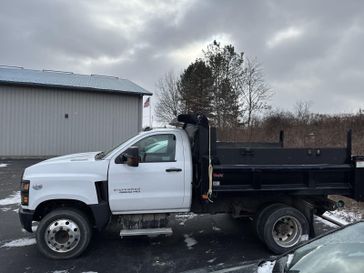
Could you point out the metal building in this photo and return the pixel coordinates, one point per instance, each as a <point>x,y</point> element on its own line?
<point>46,113</point>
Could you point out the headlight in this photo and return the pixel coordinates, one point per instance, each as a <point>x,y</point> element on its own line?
<point>24,190</point>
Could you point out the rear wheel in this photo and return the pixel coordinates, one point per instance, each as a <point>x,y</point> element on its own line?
<point>63,234</point>
<point>284,228</point>
<point>261,216</point>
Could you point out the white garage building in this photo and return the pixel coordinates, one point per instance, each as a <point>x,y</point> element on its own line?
<point>47,113</point>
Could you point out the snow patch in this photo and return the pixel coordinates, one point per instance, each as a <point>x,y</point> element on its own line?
<point>89,272</point>
<point>289,259</point>
<point>334,217</point>
<point>20,242</point>
<point>345,216</point>
<point>3,165</point>
<point>190,242</point>
<point>60,271</point>
<point>5,209</point>
<point>182,218</point>
<point>325,222</point>
<point>266,267</point>
<point>212,260</point>
<point>216,228</point>
<point>158,263</point>
<point>304,237</point>
<point>11,199</point>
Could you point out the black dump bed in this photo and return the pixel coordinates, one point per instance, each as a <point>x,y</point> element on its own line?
<point>253,168</point>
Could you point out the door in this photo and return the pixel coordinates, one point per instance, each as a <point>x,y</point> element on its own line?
<point>157,184</point>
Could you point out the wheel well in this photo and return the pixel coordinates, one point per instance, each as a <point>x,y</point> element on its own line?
<point>47,206</point>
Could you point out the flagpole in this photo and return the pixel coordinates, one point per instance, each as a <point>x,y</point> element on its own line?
<point>150,113</point>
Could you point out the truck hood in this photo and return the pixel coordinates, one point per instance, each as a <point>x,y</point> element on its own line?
<point>73,165</point>
<point>90,156</point>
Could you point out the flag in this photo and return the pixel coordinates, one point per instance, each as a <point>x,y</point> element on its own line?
<point>147,103</point>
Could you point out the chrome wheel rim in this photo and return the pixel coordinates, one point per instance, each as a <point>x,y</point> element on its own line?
<point>62,235</point>
<point>287,231</point>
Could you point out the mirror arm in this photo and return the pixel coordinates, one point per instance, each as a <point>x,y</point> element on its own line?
<point>123,158</point>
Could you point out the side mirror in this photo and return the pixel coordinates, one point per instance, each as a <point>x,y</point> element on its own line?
<point>132,156</point>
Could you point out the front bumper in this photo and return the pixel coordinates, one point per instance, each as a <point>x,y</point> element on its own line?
<point>26,218</point>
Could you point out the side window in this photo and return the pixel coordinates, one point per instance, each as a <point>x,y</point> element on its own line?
<point>157,148</point>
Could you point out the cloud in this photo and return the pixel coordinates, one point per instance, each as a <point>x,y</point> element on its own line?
<point>285,35</point>
<point>311,50</point>
<point>191,51</point>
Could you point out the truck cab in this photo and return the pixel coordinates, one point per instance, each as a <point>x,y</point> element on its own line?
<point>161,181</point>
<point>101,184</point>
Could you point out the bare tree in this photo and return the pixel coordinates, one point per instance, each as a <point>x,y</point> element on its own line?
<point>255,93</point>
<point>168,99</point>
<point>302,111</point>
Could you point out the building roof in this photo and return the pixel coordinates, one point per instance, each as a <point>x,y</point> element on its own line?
<point>59,79</point>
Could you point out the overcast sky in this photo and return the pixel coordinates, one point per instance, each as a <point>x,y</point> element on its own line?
<point>310,50</point>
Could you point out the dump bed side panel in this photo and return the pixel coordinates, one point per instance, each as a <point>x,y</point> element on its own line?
<point>271,168</point>
<point>293,179</point>
<point>280,156</point>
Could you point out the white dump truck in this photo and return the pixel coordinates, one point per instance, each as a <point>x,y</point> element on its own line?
<point>142,182</point>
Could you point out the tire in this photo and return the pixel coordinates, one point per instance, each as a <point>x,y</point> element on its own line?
<point>261,216</point>
<point>284,228</point>
<point>63,234</point>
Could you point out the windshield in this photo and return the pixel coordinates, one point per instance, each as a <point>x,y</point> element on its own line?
<point>341,251</point>
<point>105,153</point>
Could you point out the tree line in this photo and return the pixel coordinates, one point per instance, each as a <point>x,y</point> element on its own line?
<point>223,84</point>
<point>302,128</point>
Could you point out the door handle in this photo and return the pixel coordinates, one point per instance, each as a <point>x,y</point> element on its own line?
<point>173,170</point>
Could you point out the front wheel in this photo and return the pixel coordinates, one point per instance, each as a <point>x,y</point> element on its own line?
<point>63,234</point>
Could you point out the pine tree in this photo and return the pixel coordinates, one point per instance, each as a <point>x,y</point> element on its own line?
<point>227,71</point>
<point>195,87</point>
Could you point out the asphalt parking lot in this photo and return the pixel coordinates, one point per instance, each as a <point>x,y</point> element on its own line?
<point>210,242</point>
